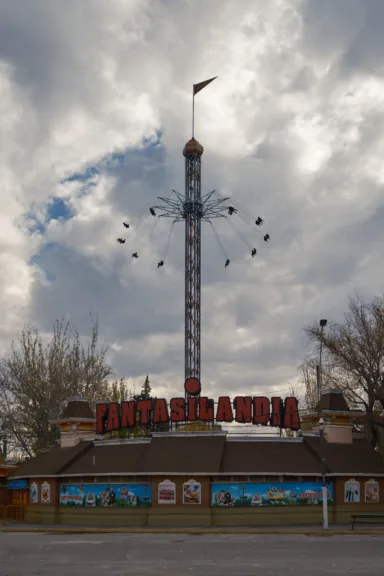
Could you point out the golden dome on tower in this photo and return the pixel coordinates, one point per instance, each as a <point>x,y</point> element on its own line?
<point>193,147</point>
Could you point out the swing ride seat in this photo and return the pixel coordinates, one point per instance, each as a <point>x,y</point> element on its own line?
<point>373,517</point>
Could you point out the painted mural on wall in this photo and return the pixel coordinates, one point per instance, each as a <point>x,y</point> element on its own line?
<point>106,495</point>
<point>166,492</point>
<point>267,494</point>
<point>191,492</point>
<point>34,493</point>
<point>46,493</point>
<point>372,491</point>
<point>352,491</point>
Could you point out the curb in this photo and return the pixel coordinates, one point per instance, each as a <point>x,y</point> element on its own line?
<point>310,532</point>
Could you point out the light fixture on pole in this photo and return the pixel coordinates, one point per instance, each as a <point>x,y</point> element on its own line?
<point>323,323</point>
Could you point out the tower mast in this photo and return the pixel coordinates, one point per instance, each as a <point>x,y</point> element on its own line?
<point>192,152</point>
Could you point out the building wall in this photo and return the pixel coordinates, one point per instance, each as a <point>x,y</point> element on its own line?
<point>45,513</point>
<point>180,514</point>
<point>267,516</point>
<point>341,513</point>
<point>204,481</point>
<point>5,498</point>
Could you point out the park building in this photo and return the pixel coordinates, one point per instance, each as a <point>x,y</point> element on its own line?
<point>208,478</point>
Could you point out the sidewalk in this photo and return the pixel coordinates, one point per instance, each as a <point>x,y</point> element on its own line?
<point>374,529</point>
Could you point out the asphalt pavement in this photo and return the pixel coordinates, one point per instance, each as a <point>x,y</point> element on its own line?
<point>30,554</point>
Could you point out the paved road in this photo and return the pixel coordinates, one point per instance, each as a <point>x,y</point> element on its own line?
<point>178,555</point>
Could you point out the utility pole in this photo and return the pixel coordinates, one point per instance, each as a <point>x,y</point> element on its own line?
<point>323,324</point>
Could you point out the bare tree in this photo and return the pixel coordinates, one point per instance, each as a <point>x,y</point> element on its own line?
<point>308,377</point>
<point>39,377</point>
<point>354,359</point>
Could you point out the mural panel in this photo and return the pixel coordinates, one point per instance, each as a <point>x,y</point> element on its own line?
<point>191,492</point>
<point>166,492</point>
<point>352,491</point>
<point>34,493</point>
<point>269,494</point>
<point>46,493</point>
<point>106,495</point>
<point>372,491</point>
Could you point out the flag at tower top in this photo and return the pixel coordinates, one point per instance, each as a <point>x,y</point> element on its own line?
<point>201,85</point>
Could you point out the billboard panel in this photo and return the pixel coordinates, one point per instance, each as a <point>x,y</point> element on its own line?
<point>269,494</point>
<point>105,495</point>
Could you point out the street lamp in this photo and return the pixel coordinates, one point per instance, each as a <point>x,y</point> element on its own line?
<point>323,323</point>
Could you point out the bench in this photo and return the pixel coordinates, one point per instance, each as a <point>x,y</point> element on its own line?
<point>373,517</point>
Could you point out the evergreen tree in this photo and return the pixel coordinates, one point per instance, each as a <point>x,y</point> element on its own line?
<point>146,389</point>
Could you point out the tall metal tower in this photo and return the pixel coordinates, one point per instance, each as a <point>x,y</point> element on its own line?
<point>193,208</point>
<point>193,215</point>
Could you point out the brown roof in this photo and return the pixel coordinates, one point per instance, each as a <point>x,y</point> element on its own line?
<point>356,458</point>
<point>207,455</point>
<point>78,409</point>
<point>277,456</point>
<point>52,462</point>
<point>185,454</point>
<point>114,458</point>
<point>334,400</point>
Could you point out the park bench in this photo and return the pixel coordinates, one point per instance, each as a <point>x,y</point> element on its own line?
<point>373,517</point>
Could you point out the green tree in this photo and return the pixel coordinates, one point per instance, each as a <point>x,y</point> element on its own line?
<point>146,389</point>
<point>39,377</point>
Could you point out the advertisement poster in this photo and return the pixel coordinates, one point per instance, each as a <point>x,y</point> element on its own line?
<point>105,495</point>
<point>166,492</point>
<point>352,491</point>
<point>269,494</point>
<point>372,491</point>
<point>192,492</point>
<point>46,493</point>
<point>34,493</point>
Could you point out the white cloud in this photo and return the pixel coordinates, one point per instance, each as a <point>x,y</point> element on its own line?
<point>292,129</point>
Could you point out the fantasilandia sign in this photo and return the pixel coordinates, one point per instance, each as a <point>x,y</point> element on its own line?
<point>257,410</point>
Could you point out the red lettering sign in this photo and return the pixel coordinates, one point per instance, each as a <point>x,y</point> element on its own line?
<point>178,410</point>
<point>224,410</point>
<point>128,414</point>
<point>257,410</point>
<point>101,416</point>
<point>261,411</point>
<point>160,412</point>
<point>243,409</point>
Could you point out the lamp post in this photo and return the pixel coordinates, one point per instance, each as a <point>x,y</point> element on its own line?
<point>323,324</point>
<point>325,493</point>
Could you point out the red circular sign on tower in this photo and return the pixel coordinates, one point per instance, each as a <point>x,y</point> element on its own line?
<point>192,386</point>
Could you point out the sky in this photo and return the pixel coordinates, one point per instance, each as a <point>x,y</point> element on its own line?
<point>95,109</point>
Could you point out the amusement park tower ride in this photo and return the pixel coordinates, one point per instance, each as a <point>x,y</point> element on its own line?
<point>193,208</point>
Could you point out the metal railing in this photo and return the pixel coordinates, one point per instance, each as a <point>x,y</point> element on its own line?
<point>12,512</point>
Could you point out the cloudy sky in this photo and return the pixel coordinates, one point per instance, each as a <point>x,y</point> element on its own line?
<point>95,108</point>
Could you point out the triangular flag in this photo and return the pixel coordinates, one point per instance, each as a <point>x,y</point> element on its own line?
<point>201,85</point>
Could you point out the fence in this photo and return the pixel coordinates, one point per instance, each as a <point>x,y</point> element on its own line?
<point>13,512</point>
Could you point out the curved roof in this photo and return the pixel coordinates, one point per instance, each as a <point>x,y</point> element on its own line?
<point>78,408</point>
